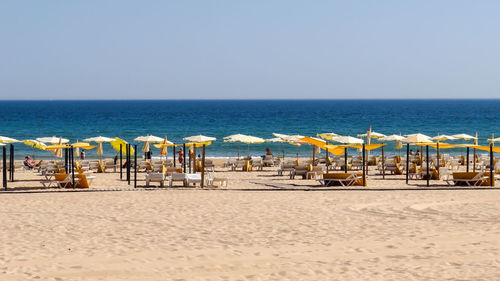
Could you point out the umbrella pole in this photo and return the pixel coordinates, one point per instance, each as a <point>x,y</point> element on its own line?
<point>135,166</point>
<point>121,160</point>
<point>12,166</point>
<point>438,160</point>
<point>364,165</point>
<point>184,159</point>
<point>203,168</point>
<point>174,154</point>
<point>72,162</point>
<point>4,170</point>
<point>383,163</point>
<point>194,160</point>
<point>492,179</point>
<point>314,153</point>
<point>66,160</point>
<point>407,161</point>
<point>239,144</point>
<point>345,159</point>
<point>327,160</point>
<point>128,163</point>
<point>189,162</point>
<point>474,158</point>
<point>427,160</point>
<point>467,159</point>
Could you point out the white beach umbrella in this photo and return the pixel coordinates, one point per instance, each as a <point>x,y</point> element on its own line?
<point>53,140</point>
<point>464,136</point>
<point>494,140</point>
<point>391,138</point>
<point>99,140</point>
<point>443,137</point>
<point>199,139</point>
<point>416,138</point>
<point>8,140</point>
<point>373,135</point>
<point>148,139</point>
<point>244,139</point>
<point>348,140</point>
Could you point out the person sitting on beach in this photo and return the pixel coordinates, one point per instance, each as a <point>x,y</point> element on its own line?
<point>411,152</point>
<point>31,164</point>
<point>268,153</point>
<point>418,152</point>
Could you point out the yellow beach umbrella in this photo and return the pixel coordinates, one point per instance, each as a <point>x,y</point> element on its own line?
<point>56,147</point>
<point>464,136</point>
<point>35,144</point>
<point>115,144</point>
<point>164,149</point>
<point>327,136</point>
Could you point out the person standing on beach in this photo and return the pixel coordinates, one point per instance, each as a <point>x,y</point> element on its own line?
<point>82,155</point>
<point>181,156</point>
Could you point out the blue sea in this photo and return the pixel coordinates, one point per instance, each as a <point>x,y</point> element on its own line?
<point>127,119</point>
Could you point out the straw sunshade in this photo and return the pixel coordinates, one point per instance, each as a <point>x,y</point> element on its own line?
<point>8,140</point>
<point>53,140</point>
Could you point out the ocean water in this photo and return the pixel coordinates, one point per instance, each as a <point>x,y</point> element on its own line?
<point>128,119</point>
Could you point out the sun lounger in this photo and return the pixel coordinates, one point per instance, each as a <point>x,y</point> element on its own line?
<point>155,177</point>
<point>343,179</point>
<point>470,179</point>
<point>212,179</point>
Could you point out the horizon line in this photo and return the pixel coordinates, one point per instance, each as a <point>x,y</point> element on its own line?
<point>275,99</point>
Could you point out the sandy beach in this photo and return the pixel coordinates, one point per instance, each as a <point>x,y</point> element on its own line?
<point>261,227</point>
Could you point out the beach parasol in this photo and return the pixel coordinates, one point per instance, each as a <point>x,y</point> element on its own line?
<point>99,140</point>
<point>146,140</point>
<point>417,138</point>
<point>35,144</point>
<point>8,140</point>
<point>327,136</point>
<point>396,138</point>
<point>115,144</point>
<point>373,135</point>
<point>464,136</point>
<point>53,140</point>
<point>244,139</point>
<point>443,137</point>
<point>164,145</point>
<point>197,140</point>
<point>347,140</point>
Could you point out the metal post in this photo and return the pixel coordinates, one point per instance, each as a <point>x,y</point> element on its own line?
<point>194,160</point>
<point>327,160</point>
<point>467,169</point>
<point>128,163</point>
<point>492,178</point>
<point>72,163</point>
<point>121,162</point>
<point>314,154</point>
<point>345,159</point>
<point>383,163</point>
<point>474,158</point>
<point>407,161</point>
<point>184,160</point>
<point>135,165</point>
<point>427,159</point>
<point>4,170</point>
<point>190,163</point>
<point>173,147</point>
<point>203,168</point>
<point>66,161</point>
<point>12,166</point>
<point>364,159</point>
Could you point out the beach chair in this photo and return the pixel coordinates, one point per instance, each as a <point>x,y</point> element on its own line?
<point>268,161</point>
<point>209,165</point>
<point>84,180</point>
<point>477,180</point>
<point>257,163</point>
<point>299,170</point>
<point>110,164</point>
<point>315,173</point>
<point>212,179</point>
<point>155,177</point>
<point>177,177</point>
<point>65,180</point>
<point>350,180</point>
<point>239,164</point>
<point>286,167</point>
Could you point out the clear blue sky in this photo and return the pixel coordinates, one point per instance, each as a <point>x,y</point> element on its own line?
<point>249,49</point>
